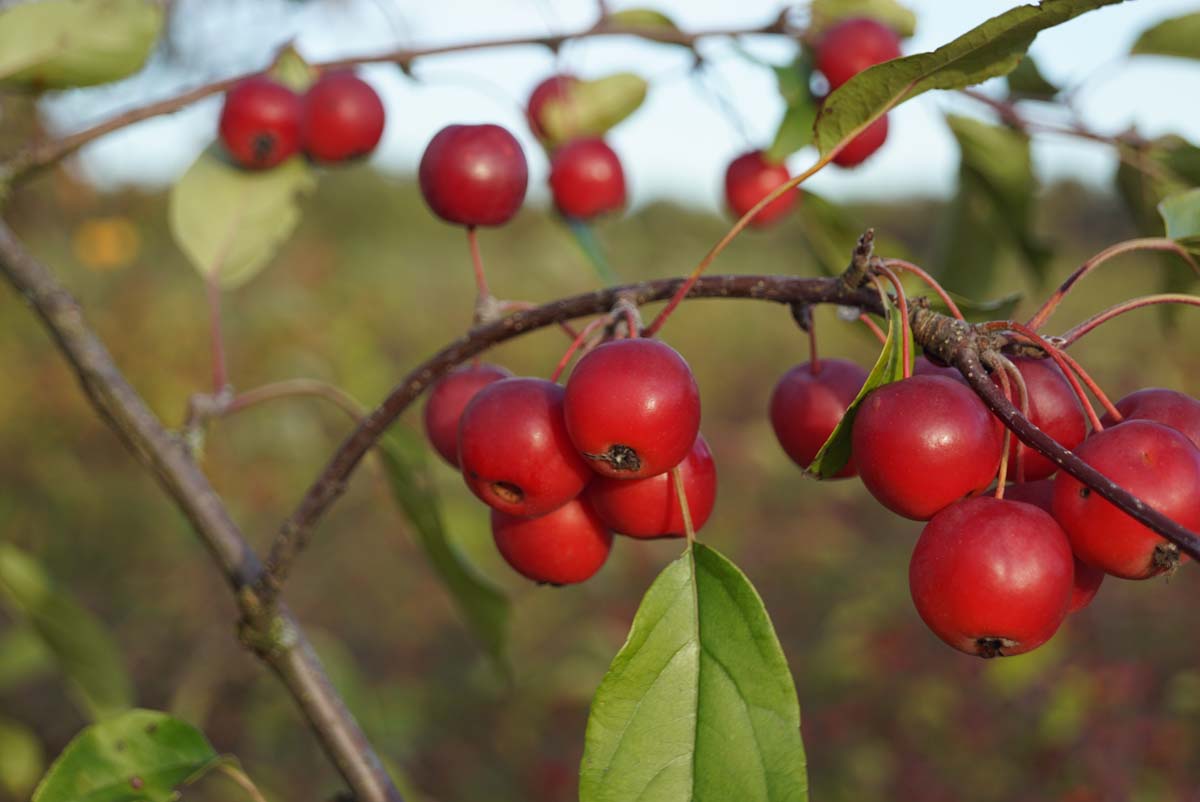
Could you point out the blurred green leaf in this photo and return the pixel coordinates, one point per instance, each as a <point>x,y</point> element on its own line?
<point>796,128</point>
<point>642,18</point>
<point>139,755</point>
<point>888,368</point>
<point>230,222</point>
<point>291,70</point>
<point>992,309</point>
<point>968,242</point>
<point>1178,37</point>
<point>23,656</point>
<point>1181,214</point>
<point>485,608</point>
<point>986,51</point>
<point>585,238</point>
<point>699,704</point>
<point>1027,81</point>
<point>997,163</point>
<point>58,44</point>
<point>82,648</point>
<point>896,16</point>
<point>830,232</point>
<point>590,108</point>
<point>21,758</point>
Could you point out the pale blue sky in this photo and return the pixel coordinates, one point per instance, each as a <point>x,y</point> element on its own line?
<point>679,142</point>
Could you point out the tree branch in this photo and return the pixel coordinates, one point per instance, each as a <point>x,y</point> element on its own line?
<point>329,485</point>
<point>275,636</point>
<point>42,154</point>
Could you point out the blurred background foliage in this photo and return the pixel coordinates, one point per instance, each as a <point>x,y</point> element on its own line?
<point>368,286</point>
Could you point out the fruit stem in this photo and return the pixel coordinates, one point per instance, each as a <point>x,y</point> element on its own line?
<point>1023,393</point>
<point>482,293</point>
<point>297,388</point>
<point>905,328</point>
<point>574,346</point>
<point>1002,473</point>
<point>1147,244</point>
<point>930,281</point>
<point>1092,385</point>
<point>865,319</point>
<point>688,528</point>
<point>742,222</point>
<point>220,375</point>
<point>1092,322</point>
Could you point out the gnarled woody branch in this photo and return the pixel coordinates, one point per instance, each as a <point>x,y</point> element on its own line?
<point>275,636</point>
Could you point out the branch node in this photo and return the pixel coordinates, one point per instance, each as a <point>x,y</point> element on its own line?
<point>858,272</point>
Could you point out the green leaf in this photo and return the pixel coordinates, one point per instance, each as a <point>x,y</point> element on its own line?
<point>968,243</point>
<point>58,44</point>
<point>21,758</point>
<point>986,51</point>
<point>896,16</point>
<point>83,650</point>
<point>590,108</point>
<point>830,232</point>
<point>699,704</point>
<point>1027,81</point>
<point>1181,214</point>
<point>999,161</point>
<point>1179,37</point>
<point>23,656</point>
<point>641,18</point>
<point>291,70</point>
<point>229,221</point>
<point>139,755</point>
<point>581,230</point>
<point>485,609</point>
<point>993,309</point>
<point>796,128</point>
<point>888,368</point>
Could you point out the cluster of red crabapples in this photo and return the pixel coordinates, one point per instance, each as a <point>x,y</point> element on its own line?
<point>264,123</point>
<point>842,52</point>
<point>997,575</point>
<point>563,468</point>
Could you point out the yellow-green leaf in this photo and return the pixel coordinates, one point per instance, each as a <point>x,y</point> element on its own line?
<point>291,70</point>
<point>590,108</point>
<point>21,758</point>
<point>1179,37</point>
<point>57,44</point>
<point>896,16</point>
<point>230,222</point>
<point>1181,213</point>
<point>641,18</point>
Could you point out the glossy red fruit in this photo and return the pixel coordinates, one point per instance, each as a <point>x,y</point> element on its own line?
<point>1087,578</point>
<point>649,508</point>
<point>1168,407</point>
<point>586,179</point>
<point>260,123</point>
<point>554,88</point>
<point>447,400</point>
<point>750,178</point>
<point>632,408</point>
<point>1053,407</point>
<point>853,45</point>
<point>992,577</point>
<point>567,545</point>
<point>807,406</point>
<point>1157,464</point>
<point>922,366</point>
<point>343,118</point>
<point>474,175</point>
<point>514,450</point>
<point>923,443</point>
<point>862,146</point>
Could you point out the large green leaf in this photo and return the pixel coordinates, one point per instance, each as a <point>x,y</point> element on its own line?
<point>1181,214</point>
<point>21,758</point>
<point>998,160</point>
<point>796,127</point>
<point>485,608</point>
<point>699,704</point>
<point>968,243</point>
<point>1178,37</point>
<point>891,13</point>
<point>986,51</point>
<point>835,453</point>
<point>229,221</point>
<point>1027,81</point>
<point>82,648</point>
<point>139,755</point>
<point>56,44</point>
<point>590,108</point>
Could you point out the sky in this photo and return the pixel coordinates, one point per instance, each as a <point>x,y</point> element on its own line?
<point>678,143</point>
